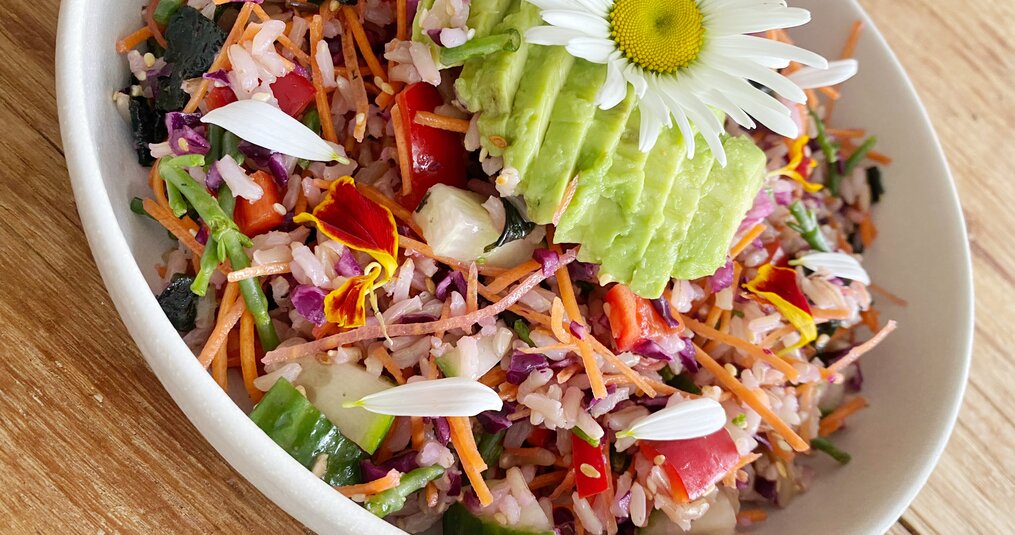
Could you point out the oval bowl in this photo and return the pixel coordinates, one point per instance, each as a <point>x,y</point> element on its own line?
<point>915,380</point>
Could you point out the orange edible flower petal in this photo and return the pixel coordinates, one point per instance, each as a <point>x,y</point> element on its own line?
<point>792,169</point>
<point>345,306</point>
<point>779,286</point>
<point>348,217</point>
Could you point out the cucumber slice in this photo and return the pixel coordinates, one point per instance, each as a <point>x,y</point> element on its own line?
<point>489,351</point>
<point>460,521</point>
<point>328,386</point>
<point>305,434</point>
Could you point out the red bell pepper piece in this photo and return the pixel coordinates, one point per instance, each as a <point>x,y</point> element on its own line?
<point>633,318</point>
<point>694,465</point>
<point>591,469</point>
<point>436,156</point>
<point>259,216</point>
<point>294,93</point>
<point>218,97</point>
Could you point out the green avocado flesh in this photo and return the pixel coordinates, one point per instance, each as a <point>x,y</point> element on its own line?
<point>643,216</point>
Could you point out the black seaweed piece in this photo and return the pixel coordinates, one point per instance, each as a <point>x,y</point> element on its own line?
<point>515,226</point>
<point>179,303</point>
<point>193,43</point>
<point>148,126</point>
<point>876,186</point>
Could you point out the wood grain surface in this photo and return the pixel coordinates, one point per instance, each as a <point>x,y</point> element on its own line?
<point>90,442</point>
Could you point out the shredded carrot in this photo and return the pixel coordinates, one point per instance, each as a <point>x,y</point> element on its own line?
<point>566,290</point>
<point>321,96</point>
<point>173,225</point>
<point>472,289</point>
<point>812,98</point>
<point>149,17</point>
<point>806,394</point>
<point>468,454</point>
<point>131,41</point>
<point>158,185</point>
<point>879,157</point>
<point>509,277</point>
<point>858,351</point>
<point>752,515</point>
<point>263,270</point>
<point>401,20</point>
<point>379,352</point>
<point>547,479</point>
<point>567,373</point>
<point>854,38</point>
<point>377,486</point>
<point>425,250</point>
<point>218,336</point>
<point>551,347</point>
<point>773,337</point>
<point>747,396</point>
<point>835,419</point>
<point>284,40</point>
<point>830,313</point>
<point>222,57</point>
<point>730,479</point>
<point>830,92</point>
<point>851,133</point>
<point>724,328</point>
<point>894,299</point>
<point>768,357</point>
<point>418,435</point>
<point>400,212</point>
<point>868,232</point>
<point>713,316</point>
<point>359,91</point>
<point>442,122</point>
<point>557,321</point>
<point>445,314</point>
<point>353,24</point>
<point>658,386</point>
<point>564,486</point>
<point>248,356</point>
<point>779,452</point>
<point>220,363</point>
<point>494,377</point>
<point>402,148</point>
<point>572,187</point>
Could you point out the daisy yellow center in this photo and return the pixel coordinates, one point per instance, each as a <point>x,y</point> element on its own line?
<point>661,36</point>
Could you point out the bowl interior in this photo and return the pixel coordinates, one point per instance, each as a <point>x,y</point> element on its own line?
<point>914,381</point>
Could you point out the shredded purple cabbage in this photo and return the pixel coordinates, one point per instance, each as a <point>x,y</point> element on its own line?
<point>202,235</point>
<point>584,271</point>
<point>783,198</point>
<point>302,71</point>
<point>625,503</point>
<point>767,489</point>
<point>563,521</point>
<point>255,153</point>
<point>855,382</point>
<point>416,318</point>
<point>591,401</point>
<point>548,259</point>
<point>687,356</point>
<point>495,421</point>
<point>441,429</point>
<point>309,302</point>
<point>662,307</point>
<point>435,35</point>
<point>277,166</point>
<point>219,77</point>
<point>723,277</point>
<point>403,462</point>
<point>213,180</point>
<point>454,483</point>
<point>522,364</point>
<point>578,330</point>
<point>185,133</point>
<point>444,286</point>
<point>761,209</point>
<point>651,350</point>
<point>347,266</point>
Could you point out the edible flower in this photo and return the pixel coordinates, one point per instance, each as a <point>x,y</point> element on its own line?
<point>779,286</point>
<point>359,223</point>
<point>841,265</point>
<point>266,126</point>
<point>689,419</point>
<point>683,57</point>
<point>451,396</point>
<point>799,166</point>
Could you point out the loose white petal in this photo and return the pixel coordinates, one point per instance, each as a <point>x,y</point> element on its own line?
<point>551,35</point>
<point>262,124</point>
<point>836,73</point>
<point>839,265</point>
<point>452,396</point>
<point>689,419</point>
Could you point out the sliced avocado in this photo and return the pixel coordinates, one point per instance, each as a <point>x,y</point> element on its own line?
<point>664,163</point>
<point>460,521</point>
<point>328,386</point>
<point>572,117</point>
<point>484,14</point>
<point>652,271</point>
<point>546,70</point>
<point>594,159</point>
<point>721,210</point>
<point>305,434</point>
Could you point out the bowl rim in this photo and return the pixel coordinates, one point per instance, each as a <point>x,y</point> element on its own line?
<point>276,475</point>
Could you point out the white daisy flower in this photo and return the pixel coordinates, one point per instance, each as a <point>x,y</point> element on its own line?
<point>683,58</point>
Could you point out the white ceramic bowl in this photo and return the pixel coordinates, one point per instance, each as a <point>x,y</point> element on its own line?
<point>915,380</point>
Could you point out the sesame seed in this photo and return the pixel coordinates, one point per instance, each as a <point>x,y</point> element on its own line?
<point>590,471</point>
<point>149,59</point>
<point>183,144</point>
<point>783,445</point>
<point>335,5</point>
<point>279,209</point>
<point>263,97</point>
<point>361,118</point>
<point>301,390</point>
<point>136,91</point>
<point>659,460</point>
<point>386,87</point>
<point>781,469</point>
<point>732,369</point>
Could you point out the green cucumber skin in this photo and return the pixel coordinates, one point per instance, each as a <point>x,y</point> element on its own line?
<point>459,521</point>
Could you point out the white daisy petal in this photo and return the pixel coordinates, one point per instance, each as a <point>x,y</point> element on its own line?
<point>767,77</point>
<point>689,419</point>
<point>262,124</point>
<point>552,4</point>
<point>757,47</point>
<point>551,35</point>
<point>452,396</point>
<point>597,7</point>
<point>614,90</point>
<point>653,116</point>
<point>765,109</point>
<point>839,265</point>
<point>591,49</point>
<point>633,75</point>
<point>756,20</point>
<point>836,73</point>
<point>586,23</point>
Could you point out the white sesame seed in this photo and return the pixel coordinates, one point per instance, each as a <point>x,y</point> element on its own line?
<point>783,445</point>
<point>149,59</point>
<point>279,209</point>
<point>263,97</point>
<point>590,471</point>
<point>659,460</point>
<point>335,5</point>
<point>183,144</point>
<point>361,118</point>
<point>731,369</point>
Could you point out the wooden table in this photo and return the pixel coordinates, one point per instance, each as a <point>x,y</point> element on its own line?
<point>91,443</point>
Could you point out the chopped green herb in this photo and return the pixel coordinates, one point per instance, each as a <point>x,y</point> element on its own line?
<point>515,226</point>
<point>684,382</point>
<point>740,421</point>
<point>231,147</point>
<point>522,330</point>
<point>807,225</point>
<point>826,446</point>
<point>312,120</point>
<point>490,446</point>
<point>215,133</point>
<point>137,206</point>
<point>165,10</point>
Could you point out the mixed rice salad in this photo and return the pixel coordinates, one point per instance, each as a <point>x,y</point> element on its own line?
<point>517,266</point>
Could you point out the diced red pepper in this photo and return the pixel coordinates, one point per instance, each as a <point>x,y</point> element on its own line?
<point>633,318</point>
<point>294,93</point>
<point>437,156</point>
<point>694,465</point>
<point>218,97</point>
<point>591,469</point>
<point>539,436</point>
<point>258,217</point>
